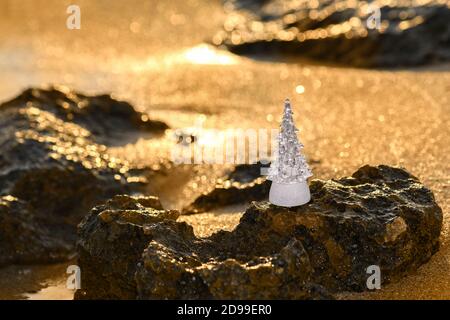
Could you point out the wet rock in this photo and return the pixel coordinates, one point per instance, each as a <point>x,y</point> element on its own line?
<point>141,252</point>
<point>243,184</point>
<point>380,216</point>
<point>54,165</point>
<point>105,118</point>
<point>25,239</point>
<point>50,161</point>
<point>111,242</point>
<point>346,32</point>
<point>169,271</point>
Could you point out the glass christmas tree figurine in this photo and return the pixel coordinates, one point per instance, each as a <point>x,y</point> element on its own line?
<point>289,171</point>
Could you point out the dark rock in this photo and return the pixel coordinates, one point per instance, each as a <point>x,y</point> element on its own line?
<point>111,242</point>
<point>24,239</point>
<point>380,216</point>
<point>104,117</point>
<point>243,184</point>
<point>129,251</point>
<point>55,166</point>
<point>338,32</point>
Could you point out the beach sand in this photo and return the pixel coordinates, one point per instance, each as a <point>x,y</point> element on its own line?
<point>154,55</point>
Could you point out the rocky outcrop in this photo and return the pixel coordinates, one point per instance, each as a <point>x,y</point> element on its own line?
<point>54,164</point>
<point>347,32</point>
<point>51,161</point>
<point>242,184</point>
<point>380,216</point>
<point>128,251</point>
<point>104,117</point>
<point>111,242</point>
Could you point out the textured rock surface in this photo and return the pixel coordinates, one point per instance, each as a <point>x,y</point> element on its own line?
<point>127,251</point>
<point>111,242</point>
<point>380,216</point>
<point>338,31</point>
<point>54,164</point>
<point>243,183</point>
<point>50,161</point>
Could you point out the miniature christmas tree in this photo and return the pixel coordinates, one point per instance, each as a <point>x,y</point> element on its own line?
<point>289,171</point>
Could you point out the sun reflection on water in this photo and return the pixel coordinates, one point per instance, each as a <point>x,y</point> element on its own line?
<point>204,54</point>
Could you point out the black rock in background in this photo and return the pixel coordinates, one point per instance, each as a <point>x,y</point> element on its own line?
<point>338,31</point>
<point>50,161</point>
<point>380,216</point>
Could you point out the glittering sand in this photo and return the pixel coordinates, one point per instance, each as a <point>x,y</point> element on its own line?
<point>347,117</point>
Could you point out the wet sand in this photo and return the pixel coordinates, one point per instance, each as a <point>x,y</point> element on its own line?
<point>41,282</point>
<point>347,117</point>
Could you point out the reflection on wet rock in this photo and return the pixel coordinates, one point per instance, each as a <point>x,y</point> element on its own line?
<point>358,33</point>
<point>104,117</point>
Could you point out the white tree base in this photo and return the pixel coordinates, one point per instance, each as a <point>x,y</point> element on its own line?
<point>289,195</point>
